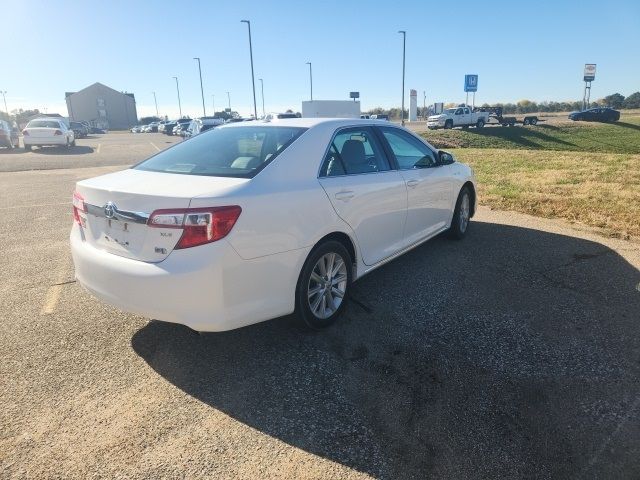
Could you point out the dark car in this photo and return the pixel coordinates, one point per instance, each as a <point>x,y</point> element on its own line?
<point>167,128</point>
<point>9,135</point>
<point>80,130</point>
<point>600,114</point>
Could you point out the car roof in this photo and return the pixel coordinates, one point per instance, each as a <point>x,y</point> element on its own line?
<point>45,118</point>
<point>308,122</point>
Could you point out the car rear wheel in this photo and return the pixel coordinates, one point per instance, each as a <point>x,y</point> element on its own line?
<point>448,124</point>
<point>480,123</point>
<point>461,215</point>
<point>525,121</point>
<point>27,148</point>
<point>534,121</point>
<point>323,286</point>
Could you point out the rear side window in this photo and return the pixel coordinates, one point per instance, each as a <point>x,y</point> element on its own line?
<point>353,151</point>
<point>408,150</point>
<point>224,152</point>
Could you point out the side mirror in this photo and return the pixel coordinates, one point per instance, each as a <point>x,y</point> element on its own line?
<point>445,158</point>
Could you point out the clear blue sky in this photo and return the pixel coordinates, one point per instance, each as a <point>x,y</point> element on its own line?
<point>354,45</point>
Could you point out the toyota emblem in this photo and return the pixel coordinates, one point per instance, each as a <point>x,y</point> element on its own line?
<point>110,210</point>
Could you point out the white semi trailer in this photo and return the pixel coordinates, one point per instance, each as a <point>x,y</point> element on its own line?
<point>330,109</point>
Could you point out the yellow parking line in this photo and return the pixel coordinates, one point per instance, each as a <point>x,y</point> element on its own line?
<point>53,295</point>
<point>154,146</point>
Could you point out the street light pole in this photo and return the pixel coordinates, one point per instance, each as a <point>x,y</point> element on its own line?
<point>4,93</point>
<point>310,80</point>
<point>404,44</point>
<point>213,104</point>
<point>229,98</point>
<point>262,89</point>
<point>178,89</point>
<point>155,100</point>
<point>204,109</point>
<point>253,81</point>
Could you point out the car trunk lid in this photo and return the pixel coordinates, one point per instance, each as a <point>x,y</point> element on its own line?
<point>118,205</point>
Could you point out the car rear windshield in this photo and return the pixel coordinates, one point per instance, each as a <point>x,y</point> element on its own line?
<point>43,124</point>
<point>224,152</point>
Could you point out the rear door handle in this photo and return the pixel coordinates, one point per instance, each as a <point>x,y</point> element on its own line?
<point>344,195</point>
<point>412,183</point>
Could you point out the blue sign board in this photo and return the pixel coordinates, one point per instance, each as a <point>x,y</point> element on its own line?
<point>471,83</point>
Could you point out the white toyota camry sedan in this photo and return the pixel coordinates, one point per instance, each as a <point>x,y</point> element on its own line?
<point>251,221</point>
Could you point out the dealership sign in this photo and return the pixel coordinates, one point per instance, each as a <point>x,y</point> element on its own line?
<point>471,83</point>
<point>589,72</point>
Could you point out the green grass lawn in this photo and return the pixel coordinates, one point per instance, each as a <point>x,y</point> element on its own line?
<point>587,173</point>
<point>621,137</point>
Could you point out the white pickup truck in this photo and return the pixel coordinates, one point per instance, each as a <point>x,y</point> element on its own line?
<point>458,117</point>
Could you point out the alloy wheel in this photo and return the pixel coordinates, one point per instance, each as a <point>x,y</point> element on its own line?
<point>463,217</point>
<point>327,285</point>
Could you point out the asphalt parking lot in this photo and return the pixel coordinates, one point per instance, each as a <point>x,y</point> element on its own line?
<point>511,354</point>
<point>120,148</point>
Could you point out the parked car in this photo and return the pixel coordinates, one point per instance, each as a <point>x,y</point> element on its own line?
<point>167,128</point>
<point>181,129</point>
<point>251,221</point>
<point>600,114</point>
<point>379,116</point>
<point>202,124</point>
<point>136,129</point>
<point>9,136</point>
<point>152,127</point>
<point>276,116</point>
<point>181,124</point>
<point>47,131</point>
<point>79,129</point>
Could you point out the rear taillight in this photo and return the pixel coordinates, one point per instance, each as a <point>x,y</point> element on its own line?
<point>78,206</point>
<point>58,132</point>
<point>25,133</point>
<point>200,225</point>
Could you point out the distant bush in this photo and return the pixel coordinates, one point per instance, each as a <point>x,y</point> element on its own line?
<point>632,101</point>
<point>614,101</point>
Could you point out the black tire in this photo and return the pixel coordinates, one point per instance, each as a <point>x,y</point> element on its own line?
<point>534,121</point>
<point>27,148</point>
<point>73,144</point>
<point>303,308</point>
<point>448,124</point>
<point>525,121</point>
<point>480,123</point>
<point>457,231</point>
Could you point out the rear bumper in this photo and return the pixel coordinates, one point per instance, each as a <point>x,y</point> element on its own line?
<point>207,288</point>
<point>37,141</point>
